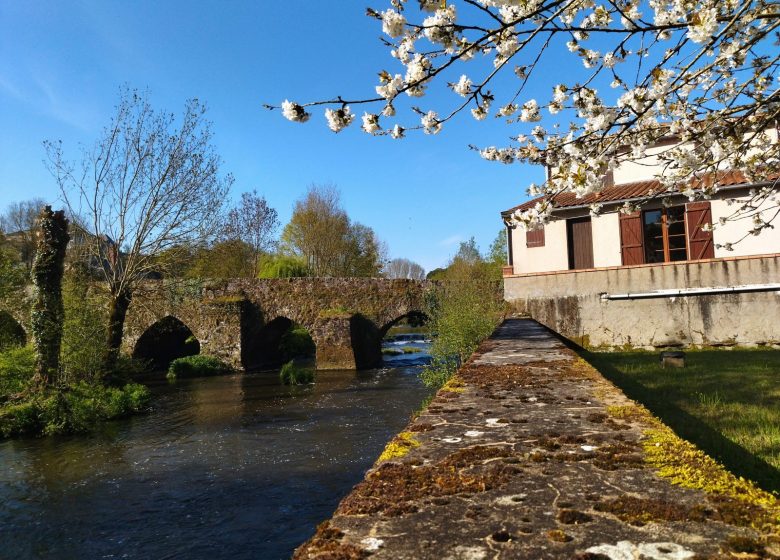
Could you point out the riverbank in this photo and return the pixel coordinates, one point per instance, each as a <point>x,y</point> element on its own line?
<point>529,452</point>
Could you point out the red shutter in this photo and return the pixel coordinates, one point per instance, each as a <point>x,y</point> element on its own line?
<point>700,245</point>
<point>631,246</point>
<point>534,237</point>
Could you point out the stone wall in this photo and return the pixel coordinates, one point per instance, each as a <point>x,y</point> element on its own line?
<point>572,304</point>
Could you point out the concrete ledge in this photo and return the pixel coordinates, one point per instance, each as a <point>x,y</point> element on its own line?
<point>530,453</point>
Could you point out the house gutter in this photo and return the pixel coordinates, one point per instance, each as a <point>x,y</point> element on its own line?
<point>672,293</point>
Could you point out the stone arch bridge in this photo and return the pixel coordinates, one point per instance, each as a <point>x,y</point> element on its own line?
<point>243,320</point>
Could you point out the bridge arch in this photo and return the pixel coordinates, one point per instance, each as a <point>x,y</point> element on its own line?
<point>414,317</point>
<point>165,340</point>
<point>12,332</point>
<point>276,341</point>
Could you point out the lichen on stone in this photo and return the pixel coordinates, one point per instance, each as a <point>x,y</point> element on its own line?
<point>399,446</point>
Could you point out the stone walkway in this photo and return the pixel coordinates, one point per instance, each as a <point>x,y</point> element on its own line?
<point>531,453</point>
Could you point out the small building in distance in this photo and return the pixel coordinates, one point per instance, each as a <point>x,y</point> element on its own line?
<point>654,277</point>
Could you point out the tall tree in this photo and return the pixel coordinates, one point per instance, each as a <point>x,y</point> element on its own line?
<point>48,312</point>
<point>702,72</point>
<point>404,268</point>
<point>19,223</point>
<point>321,233</point>
<point>254,223</point>
<point>149,184</point>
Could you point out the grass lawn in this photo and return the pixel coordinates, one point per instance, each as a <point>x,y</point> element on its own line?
<point>725,401</point>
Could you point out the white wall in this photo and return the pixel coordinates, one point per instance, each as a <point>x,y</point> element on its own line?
<point>767,242</point>
<point>606,240</point>
<point>553,256</point>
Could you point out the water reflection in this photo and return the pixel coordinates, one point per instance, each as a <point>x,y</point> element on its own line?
<point>227,467</point>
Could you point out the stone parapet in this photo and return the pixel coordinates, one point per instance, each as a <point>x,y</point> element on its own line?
<point>530,453</point>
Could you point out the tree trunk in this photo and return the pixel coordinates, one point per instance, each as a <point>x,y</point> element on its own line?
<point>116,324</point>
<point>47,311</point>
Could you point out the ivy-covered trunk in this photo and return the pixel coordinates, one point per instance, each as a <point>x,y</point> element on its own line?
<point>116,322</point>
<point>47,311</point>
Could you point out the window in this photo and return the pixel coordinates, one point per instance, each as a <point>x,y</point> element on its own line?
<point>665,238</point>
<point>534,237</point>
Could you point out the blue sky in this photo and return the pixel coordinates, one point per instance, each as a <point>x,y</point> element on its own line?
<point>62,63</point>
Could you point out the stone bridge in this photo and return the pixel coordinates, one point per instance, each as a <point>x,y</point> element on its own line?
<point>243,320</point>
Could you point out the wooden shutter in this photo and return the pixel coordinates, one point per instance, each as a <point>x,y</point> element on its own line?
<point>700,244</point>
<point>632,247</point>
<point>534,237</point>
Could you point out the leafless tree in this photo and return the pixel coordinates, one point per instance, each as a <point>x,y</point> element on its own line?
<point>254,223</point>
<point>149,185</point>
<point>404,268</point>
<point>18,222</point>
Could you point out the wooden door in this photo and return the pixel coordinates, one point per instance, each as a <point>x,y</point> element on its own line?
<point>580,237</point>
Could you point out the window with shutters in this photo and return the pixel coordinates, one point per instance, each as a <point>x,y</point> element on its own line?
<point>665,238</point>
<point>534,237</point>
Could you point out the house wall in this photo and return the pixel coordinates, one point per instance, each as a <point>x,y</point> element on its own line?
<point>606,240</point>
<point>570,303</point>
<point>731,232</point>
<point>553,256</point>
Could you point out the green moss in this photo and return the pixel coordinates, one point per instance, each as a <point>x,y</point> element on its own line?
<point>399,446</point>
<point>200,365</point>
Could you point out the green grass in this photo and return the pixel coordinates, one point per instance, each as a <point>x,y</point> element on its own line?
<point>200,365</point>
<point>725,401</point>
<point>292,374</point>
<point>401,350</point>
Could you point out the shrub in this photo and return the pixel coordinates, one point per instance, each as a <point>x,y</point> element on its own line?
<point>464,314</point>
<point>84,331</point>
<point>201,365</point>
<point>77,408</point>
<point>297,342</point>
<point>17,366</point>
<point>291,374</point>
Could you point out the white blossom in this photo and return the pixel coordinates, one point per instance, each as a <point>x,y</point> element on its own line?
<point>370,123</point>
<point>294,112</point>
<point>397,132</point>
<point>530,112</point>
<point>430,123</point>
<point>463,87</point>
<point>393,23</point>
<point>338,119</point>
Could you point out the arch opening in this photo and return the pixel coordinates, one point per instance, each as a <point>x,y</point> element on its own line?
<point>275,343</point>
<point>165,341</point>
<point>12,333</point>
<point>411,324</point>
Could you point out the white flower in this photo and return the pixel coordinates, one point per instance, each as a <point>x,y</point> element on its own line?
<point>530,112</point>
<point>393,23</point>
<point>370,123</point>
<point>397,132</point>
<point>339,119</point>
<point>294,112</point>
<point>390,87</point>
<point>430,122</point>
<point>703,25</point>
<point>463,87</point>
<point>479,113</point>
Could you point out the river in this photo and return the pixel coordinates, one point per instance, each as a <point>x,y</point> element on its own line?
<point>225,467</point>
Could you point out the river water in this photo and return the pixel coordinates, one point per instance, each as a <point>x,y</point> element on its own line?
<point>226,467</point>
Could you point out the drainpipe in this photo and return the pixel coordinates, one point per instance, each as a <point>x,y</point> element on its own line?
<point>672,293</point>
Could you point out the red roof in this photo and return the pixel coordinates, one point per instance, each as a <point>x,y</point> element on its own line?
<point>618,193</point>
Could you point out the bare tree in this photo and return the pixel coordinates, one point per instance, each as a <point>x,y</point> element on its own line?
<point>254,223</point>
<point>404,268</point>
<point>148,186</point>
<point>18,222</point>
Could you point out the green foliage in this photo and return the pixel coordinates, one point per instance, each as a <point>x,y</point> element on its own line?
<point>463,313</point>
<point>231,258</point>
<point>13,274</point>
<point>77,408</point>
<point>200,365</point>
<point>11,332</point>
<point>84,329</point>
<point>297,342</point>
<point>292,374</point>
<point>17,367</point>
<point>283,266</point>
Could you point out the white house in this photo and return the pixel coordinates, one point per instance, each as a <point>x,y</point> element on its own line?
<point>653,278</point>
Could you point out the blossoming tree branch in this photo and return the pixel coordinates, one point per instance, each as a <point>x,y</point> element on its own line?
<point>700,72</point>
